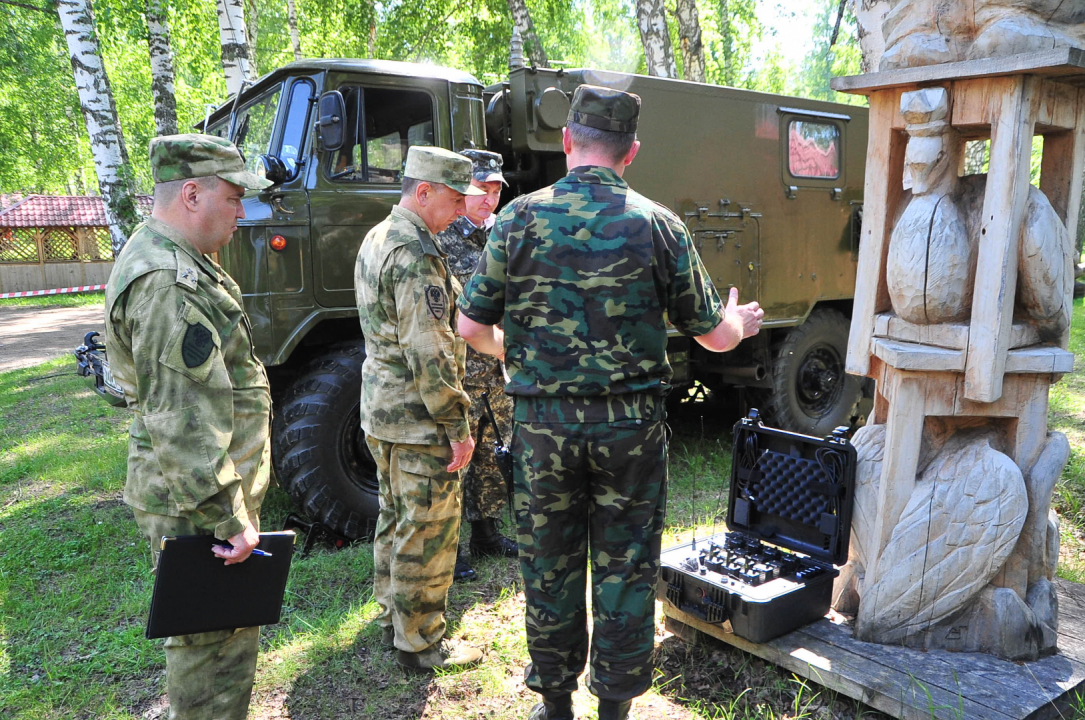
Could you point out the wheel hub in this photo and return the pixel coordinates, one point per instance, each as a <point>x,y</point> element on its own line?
<point>354,453</point>
<point>820,380</point>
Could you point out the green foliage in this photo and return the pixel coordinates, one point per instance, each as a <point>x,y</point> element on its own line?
<point>43,131</point>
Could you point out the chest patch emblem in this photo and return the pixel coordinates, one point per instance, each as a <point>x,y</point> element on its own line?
<point>436,302</point>
<point>197,345</point>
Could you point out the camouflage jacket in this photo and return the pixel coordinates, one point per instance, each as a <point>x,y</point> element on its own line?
<point>180,346</point>
<point>585,274</point>
<point>464,241</point>
<point>412,377</point>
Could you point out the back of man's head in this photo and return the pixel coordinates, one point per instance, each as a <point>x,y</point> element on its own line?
<point>612,145</point>
<point>603,121</point>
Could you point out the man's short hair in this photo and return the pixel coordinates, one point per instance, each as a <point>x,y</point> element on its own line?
<point>614,145</point>
<point>166,192</point>
<point>409,186</point>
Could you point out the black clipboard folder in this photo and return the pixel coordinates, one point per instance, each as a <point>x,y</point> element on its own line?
<point>196,592</point>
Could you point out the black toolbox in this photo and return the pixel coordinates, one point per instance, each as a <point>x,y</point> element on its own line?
<point>789,522</point>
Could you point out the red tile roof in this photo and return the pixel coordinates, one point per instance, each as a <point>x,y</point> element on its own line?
<point>61,211</point>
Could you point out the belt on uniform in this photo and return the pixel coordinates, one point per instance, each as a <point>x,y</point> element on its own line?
<point>597,408</point>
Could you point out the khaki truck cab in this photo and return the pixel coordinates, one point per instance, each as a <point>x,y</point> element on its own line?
<point>770,188</point>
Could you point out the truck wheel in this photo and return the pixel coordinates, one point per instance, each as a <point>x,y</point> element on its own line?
<point>811,392</point>
<point>318,446</point>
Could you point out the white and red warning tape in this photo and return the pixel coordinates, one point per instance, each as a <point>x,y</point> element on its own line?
<point>54,291</point>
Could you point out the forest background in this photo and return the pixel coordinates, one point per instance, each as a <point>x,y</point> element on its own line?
<point>45,147</point>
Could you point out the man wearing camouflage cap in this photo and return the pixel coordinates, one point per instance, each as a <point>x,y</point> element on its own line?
<point>414,408</point>
<point>585,275</point>
<point>484,489</point>
<point>180,347</point>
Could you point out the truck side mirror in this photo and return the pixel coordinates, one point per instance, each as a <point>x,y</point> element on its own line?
<point>330,124</point>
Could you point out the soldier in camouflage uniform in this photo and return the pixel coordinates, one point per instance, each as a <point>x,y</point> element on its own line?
<point>585,275</point>
<point>484,491</point>
<point>180,346</point>
<point>414,408</point>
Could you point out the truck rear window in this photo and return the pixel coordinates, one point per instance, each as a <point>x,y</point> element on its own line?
<point>813,149</point>
<point>381,124</point>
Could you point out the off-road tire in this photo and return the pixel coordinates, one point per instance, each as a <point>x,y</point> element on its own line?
<point>811,392</point>
<point>318,447</point>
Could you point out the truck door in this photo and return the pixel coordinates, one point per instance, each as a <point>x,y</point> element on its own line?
<point>355,186</point>
<point>813,262</point>
<point>727,235</point>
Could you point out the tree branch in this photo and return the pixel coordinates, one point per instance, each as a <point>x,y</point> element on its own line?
<point>47,11</point>
<point>839,17</point>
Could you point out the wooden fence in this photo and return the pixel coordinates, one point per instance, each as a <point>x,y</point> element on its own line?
<point>53,257</point>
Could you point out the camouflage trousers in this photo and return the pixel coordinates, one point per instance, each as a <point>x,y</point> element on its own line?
<point>414,550</point>
<point>590,491</point>
<point>208,675</point>
<point>484,491</point>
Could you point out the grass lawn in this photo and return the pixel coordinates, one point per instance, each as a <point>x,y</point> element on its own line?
<point>58,301</point>
<point>75,586</point>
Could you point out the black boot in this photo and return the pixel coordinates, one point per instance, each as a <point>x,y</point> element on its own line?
<point>614,709</point>
<point>487,541</point>
<point>559,707</point>
<point>463,572</point>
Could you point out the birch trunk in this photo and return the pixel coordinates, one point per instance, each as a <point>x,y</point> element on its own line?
<point>252,28</point>
<point>656,38</point>
<point>292,19</point>
<point>158,41</point>
<point>689,36</point>
<point>100,114</point>
<point>522,19</point>
<point>869,16</point>
<point>235,44</point>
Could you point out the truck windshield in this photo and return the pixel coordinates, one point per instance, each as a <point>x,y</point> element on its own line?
<point>381,125</point>
<point>255,124</point>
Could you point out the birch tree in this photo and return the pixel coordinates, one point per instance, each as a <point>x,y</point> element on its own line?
<point>158,41</point>
<point>656,38</point>
<point>235,44</point>
<point>689,38</point>
<point>521,18</point>
<point>869,16</point>
<point>100,115</point>
<point>252,28</point>
<point>292,20</point>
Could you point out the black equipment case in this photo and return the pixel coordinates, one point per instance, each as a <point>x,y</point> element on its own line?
<point>789,521</point>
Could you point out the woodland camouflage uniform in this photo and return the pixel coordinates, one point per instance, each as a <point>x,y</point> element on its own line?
<point>180,346</point>
<point>413,405</point>
<point>484,492</point>
<point>584,275</point>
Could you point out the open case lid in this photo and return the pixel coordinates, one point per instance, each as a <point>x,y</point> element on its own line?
<point>792,490</point>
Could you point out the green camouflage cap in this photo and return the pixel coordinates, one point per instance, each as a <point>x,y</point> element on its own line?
<point>604,108</point>
<point>180,157</point>
<point>485,165</point>
<point>437,165</point>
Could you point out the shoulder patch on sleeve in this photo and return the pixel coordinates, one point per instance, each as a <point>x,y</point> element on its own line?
<point>436,302</point>
<point>197,345</point>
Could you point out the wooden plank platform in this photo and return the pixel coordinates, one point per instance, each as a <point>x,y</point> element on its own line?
<point>916,685</point>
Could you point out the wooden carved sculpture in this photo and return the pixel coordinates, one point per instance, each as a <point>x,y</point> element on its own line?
<point>965,558</point>
<point>929,32</point>
<point>931,260</point>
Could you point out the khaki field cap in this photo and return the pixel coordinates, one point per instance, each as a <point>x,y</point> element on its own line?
<point>437,165</point>
<point>180,157</point>
<point>485,165</point>
<point>604,108</point>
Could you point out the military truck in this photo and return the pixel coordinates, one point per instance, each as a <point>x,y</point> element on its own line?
<point>770,188</point>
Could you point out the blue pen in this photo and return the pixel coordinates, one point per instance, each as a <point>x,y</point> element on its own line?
<point>261,552</point>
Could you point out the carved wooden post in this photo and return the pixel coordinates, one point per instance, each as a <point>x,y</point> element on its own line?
<point>962,307</point>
